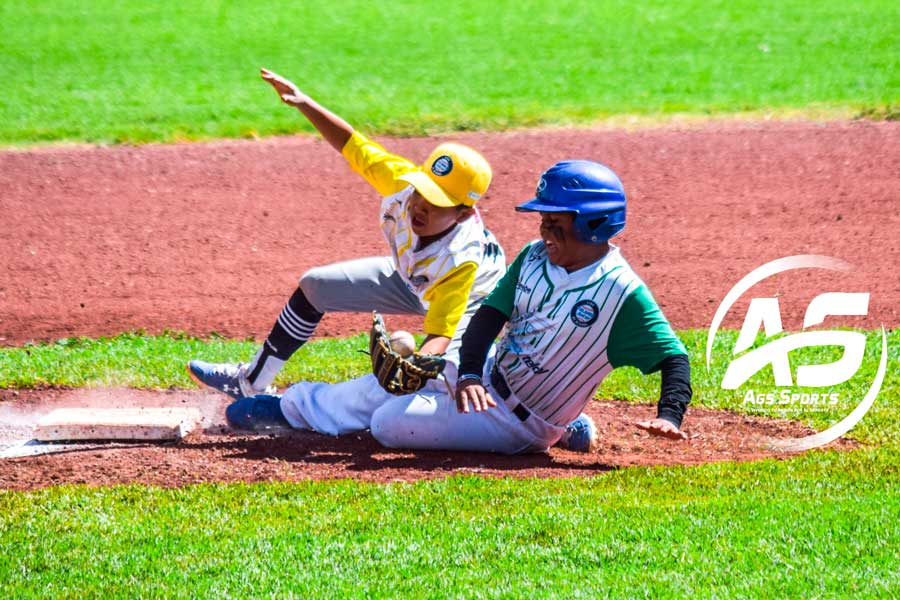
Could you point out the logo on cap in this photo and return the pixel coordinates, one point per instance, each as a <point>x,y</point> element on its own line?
<point>542,185</point>
<point>442,165</point>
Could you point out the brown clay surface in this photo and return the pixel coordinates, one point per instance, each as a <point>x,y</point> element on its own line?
<point>213,237</point>
<point>219,455</point>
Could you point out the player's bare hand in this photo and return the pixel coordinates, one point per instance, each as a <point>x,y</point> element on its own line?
<point>288,92</point>
<point>471,390</point>
<point>662,428</point>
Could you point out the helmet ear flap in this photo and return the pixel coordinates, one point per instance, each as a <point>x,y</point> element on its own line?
<point>595,223</point>
<point>596,228</point>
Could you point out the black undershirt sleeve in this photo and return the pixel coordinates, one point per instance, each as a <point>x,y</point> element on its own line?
<point>481,332</point>
<point>676,389</point>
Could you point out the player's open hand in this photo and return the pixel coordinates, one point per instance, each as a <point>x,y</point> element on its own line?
<point>290,94</point>
<point>662,428</point>
<point>471,390</point>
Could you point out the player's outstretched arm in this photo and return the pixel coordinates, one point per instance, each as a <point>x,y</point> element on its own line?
<point>675,394</point>
<point>334,129</point>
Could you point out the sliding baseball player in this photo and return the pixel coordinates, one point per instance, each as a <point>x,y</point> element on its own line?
<point>571,310</point>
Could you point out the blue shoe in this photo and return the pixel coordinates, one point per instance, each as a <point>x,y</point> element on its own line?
<point>580,435</point>
<point>223,377</point>
<point>256,413</point>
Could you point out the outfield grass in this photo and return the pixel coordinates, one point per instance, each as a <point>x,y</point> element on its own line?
<point>131,71</point>
<point>145,361</point>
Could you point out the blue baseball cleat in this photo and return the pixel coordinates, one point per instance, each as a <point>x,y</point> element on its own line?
<point>580,435</point>
<point>224,377</point>
<point>256,413</point>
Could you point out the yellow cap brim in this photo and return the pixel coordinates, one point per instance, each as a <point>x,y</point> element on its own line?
<point>431,191</point>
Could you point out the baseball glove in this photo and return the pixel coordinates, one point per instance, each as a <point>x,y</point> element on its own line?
<point>398,375</point>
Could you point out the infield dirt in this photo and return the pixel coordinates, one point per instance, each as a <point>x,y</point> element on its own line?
<point>217,454</point>
<point>213,237</point>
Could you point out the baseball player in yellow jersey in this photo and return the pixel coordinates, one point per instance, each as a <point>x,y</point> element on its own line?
<point>572,309</point>
<point>443,260</point>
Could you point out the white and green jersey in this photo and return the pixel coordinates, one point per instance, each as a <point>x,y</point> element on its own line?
<point>567,331</point>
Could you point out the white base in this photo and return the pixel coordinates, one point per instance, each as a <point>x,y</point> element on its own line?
<point>27,448</point>
<point>117,424</point>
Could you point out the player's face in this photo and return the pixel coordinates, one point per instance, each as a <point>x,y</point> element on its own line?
<point>563,248</point>
<point>428,219</point>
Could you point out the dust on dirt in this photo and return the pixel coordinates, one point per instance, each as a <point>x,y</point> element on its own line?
<point>218,454</point>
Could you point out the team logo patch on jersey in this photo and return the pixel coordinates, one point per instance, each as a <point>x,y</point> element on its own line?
<point>585,313</point>
<point>442,165</point>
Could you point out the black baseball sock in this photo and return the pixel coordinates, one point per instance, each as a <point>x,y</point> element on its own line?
<point>295,325</point>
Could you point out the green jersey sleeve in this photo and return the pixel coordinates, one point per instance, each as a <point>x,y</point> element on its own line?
<point>641,336</point>
<point>504,295</point>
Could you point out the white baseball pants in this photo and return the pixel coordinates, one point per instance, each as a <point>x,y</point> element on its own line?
<point>427,420</point>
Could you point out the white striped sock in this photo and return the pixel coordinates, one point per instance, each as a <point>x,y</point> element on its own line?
<point>296,327</point>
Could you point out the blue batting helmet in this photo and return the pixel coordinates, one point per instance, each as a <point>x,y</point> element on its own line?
<point>590,190</point>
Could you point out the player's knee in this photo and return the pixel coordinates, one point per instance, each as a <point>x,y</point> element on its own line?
<point>384,429</point>
<point>311,284</point>
<point>309,280</point>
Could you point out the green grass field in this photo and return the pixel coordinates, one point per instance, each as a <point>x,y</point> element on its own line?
<point>823,525</point>
<point>132,71</point>
<point>796,527</point>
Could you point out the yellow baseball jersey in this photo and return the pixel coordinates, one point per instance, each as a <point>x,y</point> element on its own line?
<point>448,275</point>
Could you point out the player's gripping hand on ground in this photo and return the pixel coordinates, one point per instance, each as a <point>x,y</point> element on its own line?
<point>662,428</point>
<point>470,390</point>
